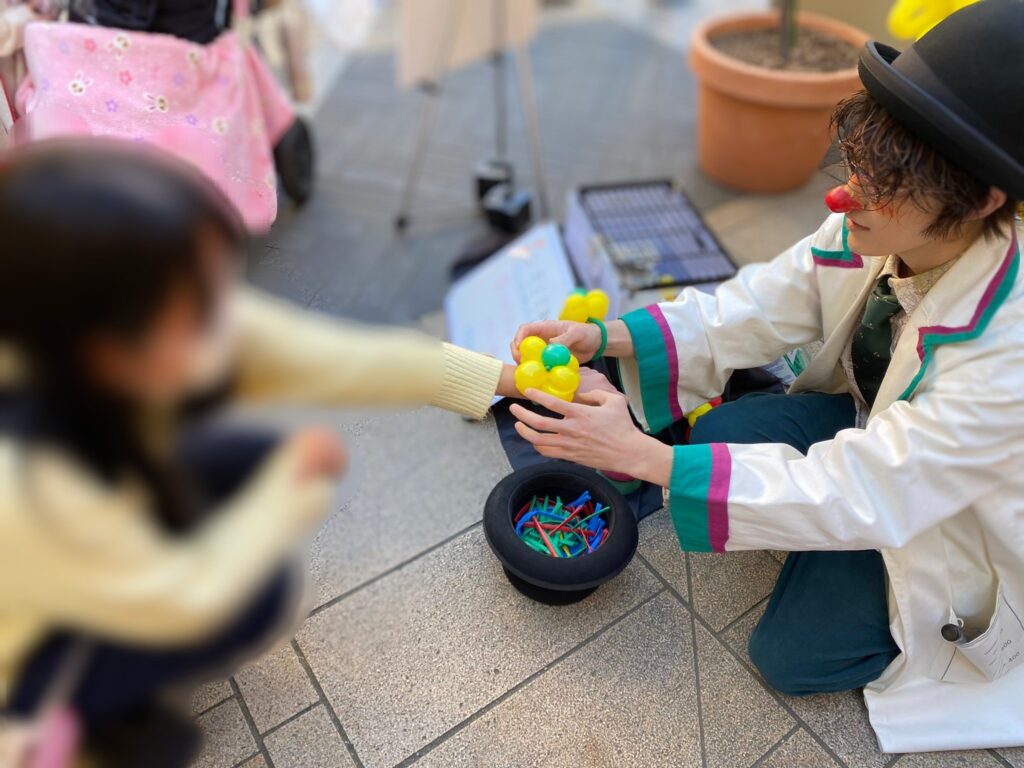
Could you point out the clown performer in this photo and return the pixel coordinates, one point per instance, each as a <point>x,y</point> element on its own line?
<point>893,469</point>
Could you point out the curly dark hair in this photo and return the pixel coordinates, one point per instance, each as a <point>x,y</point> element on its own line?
<point>891,163</point>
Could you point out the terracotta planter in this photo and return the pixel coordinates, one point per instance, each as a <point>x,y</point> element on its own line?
<point>765,130</point>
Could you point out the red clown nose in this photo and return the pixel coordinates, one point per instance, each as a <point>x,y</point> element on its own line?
<point>839,200</point>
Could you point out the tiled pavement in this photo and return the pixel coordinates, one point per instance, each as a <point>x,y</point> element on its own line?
<point>419,652</point>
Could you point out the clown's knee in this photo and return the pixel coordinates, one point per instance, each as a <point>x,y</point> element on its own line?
<point>776,655</point>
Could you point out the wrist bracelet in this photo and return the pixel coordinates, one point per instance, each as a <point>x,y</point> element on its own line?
<point>604,338</point>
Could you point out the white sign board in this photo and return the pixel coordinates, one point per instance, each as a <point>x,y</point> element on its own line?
<point>527,280</point>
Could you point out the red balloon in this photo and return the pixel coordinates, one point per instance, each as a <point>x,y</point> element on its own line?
<point>839,200</point>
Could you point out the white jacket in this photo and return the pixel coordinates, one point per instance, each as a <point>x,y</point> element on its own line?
<point>935,480</point>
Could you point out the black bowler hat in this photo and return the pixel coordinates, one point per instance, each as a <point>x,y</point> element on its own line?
<point>960,88</point>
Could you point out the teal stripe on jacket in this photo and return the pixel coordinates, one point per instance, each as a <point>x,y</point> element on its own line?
<point>652,364</point>
<point>688,496</point>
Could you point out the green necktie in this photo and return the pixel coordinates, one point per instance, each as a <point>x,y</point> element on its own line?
<point>872,344</point>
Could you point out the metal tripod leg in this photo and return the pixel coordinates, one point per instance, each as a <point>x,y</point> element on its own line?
<point>500,81</point>
<point>529,101</point>
<point>432,94</point>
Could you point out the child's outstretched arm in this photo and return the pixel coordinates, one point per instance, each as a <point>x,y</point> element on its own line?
<point>287,353</point>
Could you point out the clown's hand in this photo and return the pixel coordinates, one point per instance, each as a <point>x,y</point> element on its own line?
<point>582,339</point>
<point>596,431</point>
<point>593,381</point>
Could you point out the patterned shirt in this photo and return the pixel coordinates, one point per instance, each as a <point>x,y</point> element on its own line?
<point>909,292</point>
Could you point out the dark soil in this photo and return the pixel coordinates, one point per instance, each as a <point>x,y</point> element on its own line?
<point>814,51</point>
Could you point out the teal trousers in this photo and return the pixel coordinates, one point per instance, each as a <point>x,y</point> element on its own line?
<point>826,626</point>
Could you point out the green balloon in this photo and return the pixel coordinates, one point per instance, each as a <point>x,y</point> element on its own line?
<point>555,354</point>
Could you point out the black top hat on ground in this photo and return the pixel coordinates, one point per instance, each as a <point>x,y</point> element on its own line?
<point>960,88</point>
<point>556,580</point>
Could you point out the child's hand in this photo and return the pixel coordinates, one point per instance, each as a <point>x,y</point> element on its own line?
<point>582,339</point>
<point>507,382</point>
<point>321,454</point>
<point>593,381</point>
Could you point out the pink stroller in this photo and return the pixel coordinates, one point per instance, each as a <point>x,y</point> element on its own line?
<point>210,100</point>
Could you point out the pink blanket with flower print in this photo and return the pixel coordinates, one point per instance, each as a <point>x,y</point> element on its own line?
<point>215,106</point>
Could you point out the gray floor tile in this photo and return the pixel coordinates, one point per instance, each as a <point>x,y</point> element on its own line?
<point>228,739</point>
<point>660,547</point>
<point>757,228</point>
<point>283,273</point>
<point>1014,757</point>
<point>741,720</point>
<point>435,324</point>
<point>256,762</point>
<point>208,695</point>
<point>967,759</point>
<point>799,751</point>
<point>724,586</point>
<point>414,654</point>
<point>626,699</point>
<point>309,741</point>
<point>275,687</point>
<point>750,245</point>
<point>780,556</point>
<point>405,495</point>
<point>804,205</point>
<point>839,719</point>
<point>727,585</point>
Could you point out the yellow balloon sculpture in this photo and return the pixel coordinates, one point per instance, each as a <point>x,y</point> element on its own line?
<point>911,19</point>
<point>550,368</point>
<point>581,305</point>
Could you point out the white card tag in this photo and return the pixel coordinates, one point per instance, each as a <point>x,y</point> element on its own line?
<point>989,656</point>
<point>999,648</point>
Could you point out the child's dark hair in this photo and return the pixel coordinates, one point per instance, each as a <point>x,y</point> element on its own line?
<point>96,236</point>
<point>891,163</point>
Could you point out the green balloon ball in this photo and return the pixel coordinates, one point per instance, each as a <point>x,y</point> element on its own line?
<point>580,291</point>
<point>554,355</point>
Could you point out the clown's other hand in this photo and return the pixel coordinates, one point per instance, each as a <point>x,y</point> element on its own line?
<point>597,431</point>
<point>582,339</point>
<point>593,381</point>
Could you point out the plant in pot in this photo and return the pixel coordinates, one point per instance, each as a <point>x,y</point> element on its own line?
<point>768,82</point>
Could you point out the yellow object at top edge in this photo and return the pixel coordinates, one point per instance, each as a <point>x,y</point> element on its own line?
<point>911,19</point>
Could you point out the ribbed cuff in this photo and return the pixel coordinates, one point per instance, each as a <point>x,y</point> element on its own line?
<point>470,382</point>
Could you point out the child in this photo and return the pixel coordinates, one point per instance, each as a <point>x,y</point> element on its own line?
<point>167,547</point>
<point>903,433</point>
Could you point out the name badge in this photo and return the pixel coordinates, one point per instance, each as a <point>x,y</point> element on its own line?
<point>990,655</point>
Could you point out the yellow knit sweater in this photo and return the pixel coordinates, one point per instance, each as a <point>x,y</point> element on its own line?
<point>77,553</point>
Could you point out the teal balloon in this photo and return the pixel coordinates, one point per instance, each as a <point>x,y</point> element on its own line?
<point>555,354</point>
<point>580,291</point>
